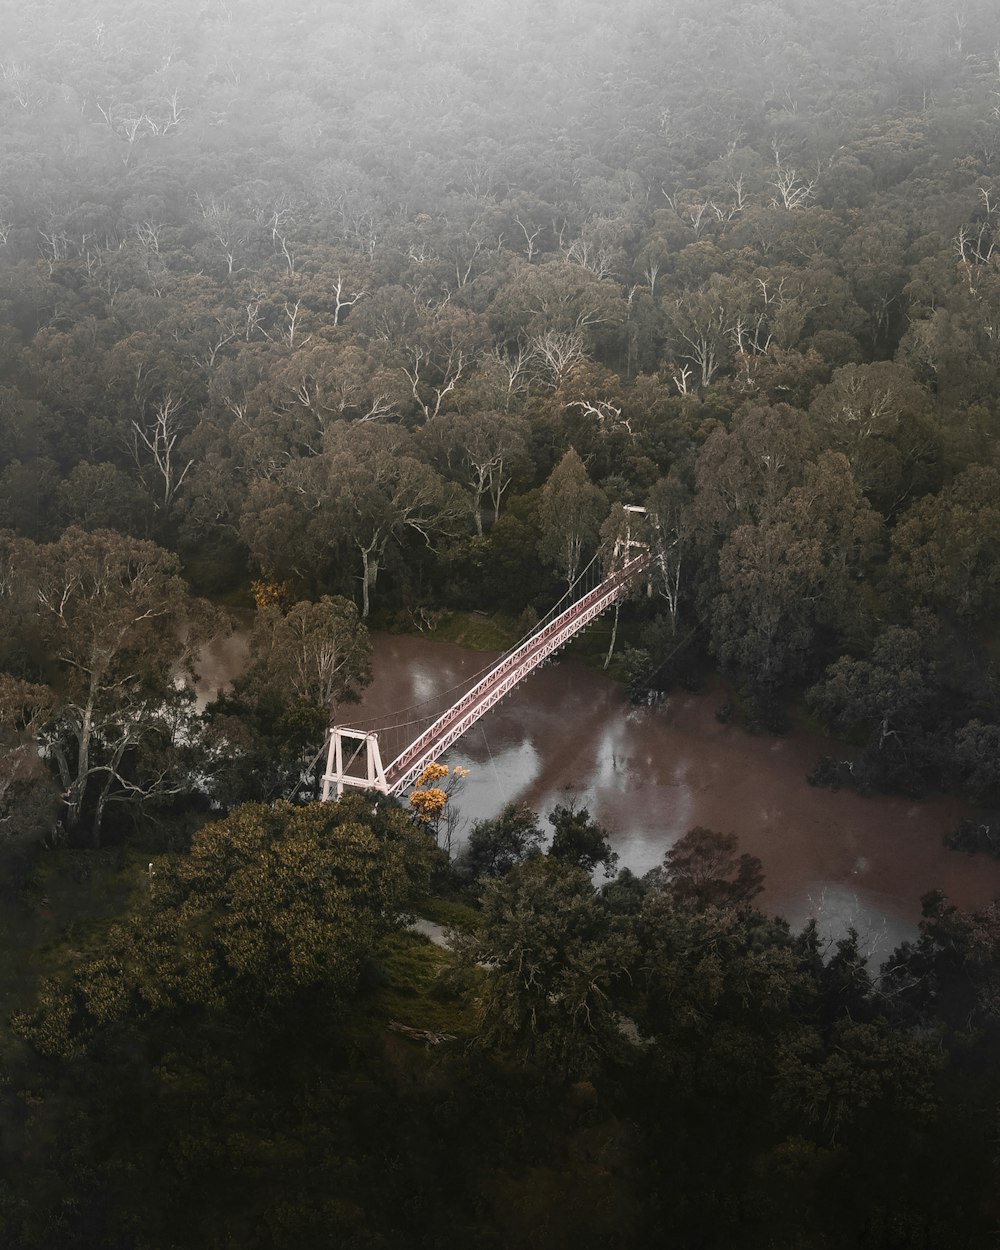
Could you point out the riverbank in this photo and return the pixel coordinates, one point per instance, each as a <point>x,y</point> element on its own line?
<point>498,632</point>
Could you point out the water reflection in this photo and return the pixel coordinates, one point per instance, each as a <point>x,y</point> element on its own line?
<point>221,660</point>
<point>650,774</point>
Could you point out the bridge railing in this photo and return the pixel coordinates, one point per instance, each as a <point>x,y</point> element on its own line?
<point>548,637</point>
<point>411,758</point>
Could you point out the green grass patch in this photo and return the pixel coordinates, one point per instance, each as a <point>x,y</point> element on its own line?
<point>451,915</point>
<point>591,647</point>
<point>476,630</point>
<point>480,632</point>
<point>413,990</point>
<point>802,719</point>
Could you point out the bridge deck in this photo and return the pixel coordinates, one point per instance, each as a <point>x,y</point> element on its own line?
<point>486,693</point>
<point>510,670</point>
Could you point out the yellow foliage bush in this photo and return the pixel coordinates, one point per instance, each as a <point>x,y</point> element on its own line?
<point>433,772</point>
<point>429,803</point>
<point>269,595</point>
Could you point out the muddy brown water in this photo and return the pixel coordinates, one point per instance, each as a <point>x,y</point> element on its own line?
<point>222,659</point>
<point>649,774</point>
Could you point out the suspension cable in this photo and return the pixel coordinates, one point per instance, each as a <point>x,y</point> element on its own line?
<point>470,679</point>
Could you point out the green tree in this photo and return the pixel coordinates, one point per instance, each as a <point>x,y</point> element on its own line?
<point>946,549</point>
<point>878,416</point>
<point>762,620</point>
<point>101,496</point>
<point>29,798</point>
<point>621,529</point>
<point>118,628</point>
<point>557,298</point>
<point>977,753</point>
<point>571,511</point>
<point>669,534</point>
<point>580,841</point>
<point>951,972</point>
<point>797,569</point>
<point>874,256</point>
<point>718,988</point>
<point>742,473</point>
<point>318,653</point>
<point>553,957</point>
<point>365,492</point>
<point>893,695</point>
<point>496,846</point>
<point>482,449</point>
<point>701,323</point>
<point>864,1072</point>
<point>271,903</point>
<point>703,869</point>
<point>210,1036</point>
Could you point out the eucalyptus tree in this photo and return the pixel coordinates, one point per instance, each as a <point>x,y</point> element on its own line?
<point>802,566</point>
<point>553,958</point>
<point>364,493</point>
<point>118,631</point>
<point>572,509</point>
<point>669,534</point>
<point>317,653</point>
<point>484,450</point>
<point>945,551</point>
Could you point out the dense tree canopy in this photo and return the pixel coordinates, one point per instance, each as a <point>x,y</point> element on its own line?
<point>393,308</point>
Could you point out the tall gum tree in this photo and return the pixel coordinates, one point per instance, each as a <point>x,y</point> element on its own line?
<point>571,513</point>
<point>365,491</point>
<point>669,534</point>
<point>801,566</point>
<point>319,653</point>
<point>117,625</point>
<point>483,449</point>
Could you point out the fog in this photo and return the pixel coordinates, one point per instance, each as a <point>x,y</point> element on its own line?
<point>357,116</point>
<point>368,321</point>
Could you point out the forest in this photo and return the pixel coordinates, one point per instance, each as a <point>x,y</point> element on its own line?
<point>351,318</point>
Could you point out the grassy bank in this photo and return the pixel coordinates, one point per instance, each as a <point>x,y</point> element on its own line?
<point>480,631</point>
<point>476,630</point>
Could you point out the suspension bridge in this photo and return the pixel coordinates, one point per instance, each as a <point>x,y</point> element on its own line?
<point>354,754</point>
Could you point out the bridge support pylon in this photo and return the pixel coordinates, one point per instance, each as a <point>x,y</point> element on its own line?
<point>363,756</point>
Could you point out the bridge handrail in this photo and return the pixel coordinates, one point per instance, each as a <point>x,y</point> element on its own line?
<point>374,724</point>
<point>514,659</point>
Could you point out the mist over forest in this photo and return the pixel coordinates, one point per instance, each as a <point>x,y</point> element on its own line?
<point>352,317</point>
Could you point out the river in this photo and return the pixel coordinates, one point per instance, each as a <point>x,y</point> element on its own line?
<point>649,774</point>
